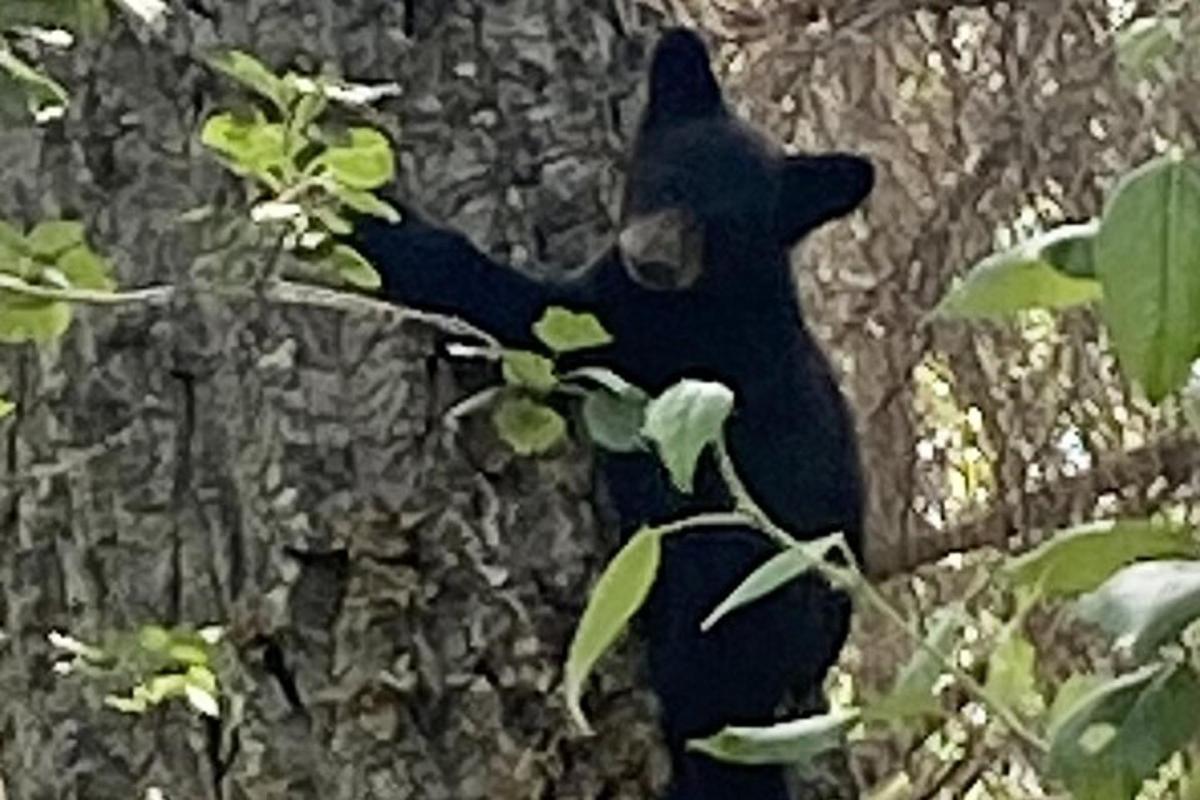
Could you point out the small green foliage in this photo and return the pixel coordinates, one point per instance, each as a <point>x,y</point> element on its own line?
<point>155,664</point>
<point>84,16</point>
<point>682,421</point>
<point>529,427</point>
<point>1080,559</point>
<point>566,331</point>
<point>617,596</point>
<point>311,176</point>
<point>796,742</point>
<point>54,255</point>
<point>7,407</point>
<point>252,146</point>
<point>1146,605</point>
<point>359,159</point>
<point>1118,734</point>
<point>526,370</point>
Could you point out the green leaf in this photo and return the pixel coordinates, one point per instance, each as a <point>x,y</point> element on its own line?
<point>7,407</point>
<point>777,571</point>
<point>362,160</point>
<point>912,693</point>
<point>682,421</point>
<point>619,593</point>
<point>566,331</point>
<point>28,319</point>
<point>252,146</point>
<point>349,265</point>
<point>1043,272</point>
<point>84,269</point>
<point>363,202</point>
<point>1011,675</point>
<point>1146,605</point>
<point>528,427</point>
<point>524,369</point>
<point>1147,42</point>
<point>795,742</point>
<point>1119,734</point>
<point>614,420</point>
<point>39,89</point>
<point>1079,559</point>
<point>1148,260</point>
<point>49,240</point>
<point>255,76</point>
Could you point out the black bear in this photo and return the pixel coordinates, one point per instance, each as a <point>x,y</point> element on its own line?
<point>698,284</point>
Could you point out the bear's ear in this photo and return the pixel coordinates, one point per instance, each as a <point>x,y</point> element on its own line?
<point>816,189</point>
<point>682,84</point>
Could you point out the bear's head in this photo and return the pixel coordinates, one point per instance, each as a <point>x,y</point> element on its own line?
<point>709,203</point>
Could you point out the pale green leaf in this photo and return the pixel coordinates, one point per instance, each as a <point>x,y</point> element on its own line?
<point>618,594</point>
<point>682,421</point>
<point>362,159</point>
<point>912,694</point>
<point>48,240</point>
<point>614,420</point>
<point>1042,272</point>
<point>565,331</point>
<point>363,202</point>
<point>796,742</point>
<point>528,427</point>
<point>780,569</point>
<point>532,371</point>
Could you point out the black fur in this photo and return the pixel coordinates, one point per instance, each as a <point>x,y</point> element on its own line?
<point>738,322</point>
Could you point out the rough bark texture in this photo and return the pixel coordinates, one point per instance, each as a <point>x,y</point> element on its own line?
<point>281,467</point>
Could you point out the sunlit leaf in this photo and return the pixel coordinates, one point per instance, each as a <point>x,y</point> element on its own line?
<point>28,319</point>
<point>682,421</point>
<point>7,407</point>
<point>362,159</point>
<point>532,371</point>
<point>618,594</point>
<point>565,331</point>
<point>84,269</point>
<point>48,240</point>
<point>251,145</point>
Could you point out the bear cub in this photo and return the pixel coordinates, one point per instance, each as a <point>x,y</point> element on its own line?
<point>698,284</point>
